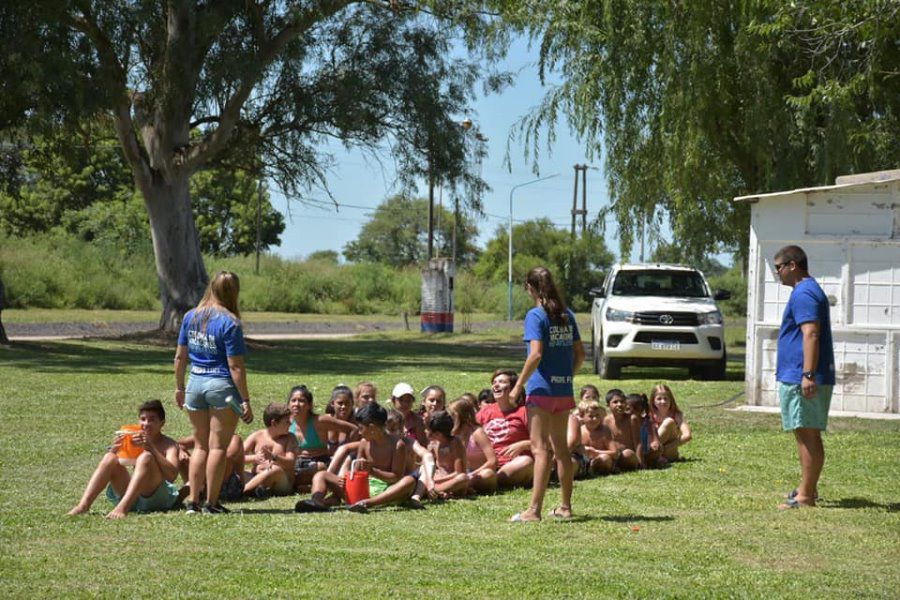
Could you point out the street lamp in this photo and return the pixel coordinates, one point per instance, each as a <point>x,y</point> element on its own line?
<point>509,280</point>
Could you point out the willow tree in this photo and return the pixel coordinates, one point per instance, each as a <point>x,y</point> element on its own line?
<point>196,84</point>
<point>694,103</point>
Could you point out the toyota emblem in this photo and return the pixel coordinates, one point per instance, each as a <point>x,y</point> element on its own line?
<point>666,319</point>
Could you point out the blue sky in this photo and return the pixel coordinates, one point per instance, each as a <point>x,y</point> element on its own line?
<point>362,182</point>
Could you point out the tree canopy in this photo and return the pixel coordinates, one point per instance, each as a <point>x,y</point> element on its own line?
<point>80,183</point>
<point>577,265</point>
<point>255,85</point>
<point>397,234</point>
<point>694,103</point>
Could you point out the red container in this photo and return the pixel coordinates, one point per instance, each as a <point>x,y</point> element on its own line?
<point>356,485</point>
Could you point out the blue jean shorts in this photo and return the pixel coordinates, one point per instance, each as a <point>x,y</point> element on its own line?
<point>164,498</point>
<point>798,411</point>
<point>204,393</point>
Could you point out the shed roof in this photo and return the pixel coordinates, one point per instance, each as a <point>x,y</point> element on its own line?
<point>843,182</point>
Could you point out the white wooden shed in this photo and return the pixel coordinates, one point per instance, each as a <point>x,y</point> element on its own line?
<point>851,234</point>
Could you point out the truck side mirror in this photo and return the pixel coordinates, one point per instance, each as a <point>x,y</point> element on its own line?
<point>597,292</point>
<point>722,295</point>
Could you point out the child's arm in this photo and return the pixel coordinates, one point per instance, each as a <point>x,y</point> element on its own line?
<point>330,423</point>
<point>517,448</point>
<point>459,461</point>
<point>484,444</point>
<point>686,435</point>
<point>573,433</point>
<point>341,455</point>
<point>286,461</point>
<point>166,458</point>
<point>634,422</point>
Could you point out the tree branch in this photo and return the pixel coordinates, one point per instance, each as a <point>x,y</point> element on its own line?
<point>115,72</point>
<point>215,141</point>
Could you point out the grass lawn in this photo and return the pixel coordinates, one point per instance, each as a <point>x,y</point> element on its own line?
<point>705,527</point>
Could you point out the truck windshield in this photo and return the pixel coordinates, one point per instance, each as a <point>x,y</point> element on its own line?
<point>660,283</point>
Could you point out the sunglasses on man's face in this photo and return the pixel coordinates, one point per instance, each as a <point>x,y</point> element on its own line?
<point>779,267</point>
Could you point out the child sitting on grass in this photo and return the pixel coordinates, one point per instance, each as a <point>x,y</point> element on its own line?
<point>151,487</point>
<point>649,448</point>
<point>505,422</point>
<point>383,456</point>
<point>402,399</point>
<point>595,439</point>
<point>433,399</point>
<point>625,429</point>
<point>480,458</point>
<point>444,460</point>
<point>673,430</point>
<point>271,453</point>
<point>364,393</point>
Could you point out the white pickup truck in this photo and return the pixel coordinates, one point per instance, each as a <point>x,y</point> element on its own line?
<point>657,315</point>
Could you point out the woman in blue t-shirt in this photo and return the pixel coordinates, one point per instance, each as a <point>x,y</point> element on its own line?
<point>555,354</point>
<point>216,394</point>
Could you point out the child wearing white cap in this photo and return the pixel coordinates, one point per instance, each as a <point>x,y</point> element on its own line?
<point>402,398</point>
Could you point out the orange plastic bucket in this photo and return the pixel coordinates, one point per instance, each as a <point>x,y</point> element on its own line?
<point>356,485</point>
<point>128,451</point>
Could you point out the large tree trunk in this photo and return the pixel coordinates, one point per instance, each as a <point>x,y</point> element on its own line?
<point>176,245</point>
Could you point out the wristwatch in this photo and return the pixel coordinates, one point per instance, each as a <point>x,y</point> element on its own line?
<point>811,375</point>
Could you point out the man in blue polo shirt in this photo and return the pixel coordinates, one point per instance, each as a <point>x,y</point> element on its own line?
<point>805,369</point>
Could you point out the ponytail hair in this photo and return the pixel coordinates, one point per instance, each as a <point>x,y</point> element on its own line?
<point>541,281</point>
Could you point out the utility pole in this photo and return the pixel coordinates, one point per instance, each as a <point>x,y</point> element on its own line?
<point>583,211</point>
<point>430,211</point>
<point>259,194</point>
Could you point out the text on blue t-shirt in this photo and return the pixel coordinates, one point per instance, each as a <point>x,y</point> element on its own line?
<point>209,350</point>
<point>553,376</point>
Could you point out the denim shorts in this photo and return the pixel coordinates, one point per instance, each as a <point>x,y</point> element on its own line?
<point>798,411</point>
<point>163,498</point>
<point>204,393</point>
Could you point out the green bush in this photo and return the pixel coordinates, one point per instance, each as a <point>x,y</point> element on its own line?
<point>736,283</point>
<point>58,270</point>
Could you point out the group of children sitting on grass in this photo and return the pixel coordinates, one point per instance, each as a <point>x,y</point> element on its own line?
<point>474,445</point>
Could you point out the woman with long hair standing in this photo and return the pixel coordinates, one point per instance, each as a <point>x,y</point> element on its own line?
<point>216,394</point>
<point>555,354</point>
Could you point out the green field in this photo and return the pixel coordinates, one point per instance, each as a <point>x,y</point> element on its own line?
<point>705,527</point>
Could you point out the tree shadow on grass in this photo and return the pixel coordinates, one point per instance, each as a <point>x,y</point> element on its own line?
<point>857,502</point>
<point>632,518</point>
<point>344,357</point>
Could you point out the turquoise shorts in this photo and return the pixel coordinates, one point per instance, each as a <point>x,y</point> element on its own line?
<point>204,393</point>
<point>164,498</point>
<point>798,411</point>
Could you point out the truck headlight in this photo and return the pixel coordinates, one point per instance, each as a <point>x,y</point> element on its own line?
<point>710,318</point>
<point>619,315</point>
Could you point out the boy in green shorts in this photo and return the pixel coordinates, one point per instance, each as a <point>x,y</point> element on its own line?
<point>151,486</point>
<point>383,456</point>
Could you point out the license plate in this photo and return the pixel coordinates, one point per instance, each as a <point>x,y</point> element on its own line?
<point>658,345</point>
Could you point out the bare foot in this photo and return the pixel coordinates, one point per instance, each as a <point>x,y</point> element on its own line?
<point>78,510</point>
<point>116,514</point>
<point>562,512</point>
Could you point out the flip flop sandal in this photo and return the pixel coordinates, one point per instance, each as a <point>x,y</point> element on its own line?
<point>793,495</point>
<point>517,518</point>
<point>360,507</point>
<point>791,503</point>
<point>557,513</point>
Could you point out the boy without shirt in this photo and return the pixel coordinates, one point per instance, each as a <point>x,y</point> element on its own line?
<point>382,455</point>
<point>625,429</point>
<point>271,452</point>
<point>596,439</point>
<point>151,486</point>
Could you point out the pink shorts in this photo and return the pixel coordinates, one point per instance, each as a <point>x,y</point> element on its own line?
<point>553,404</point>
